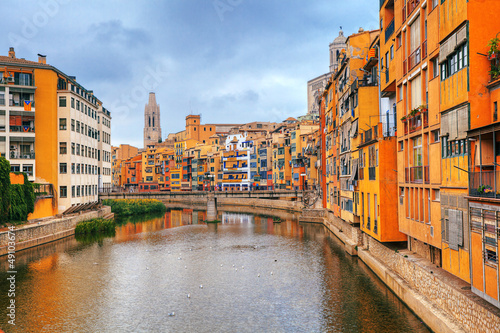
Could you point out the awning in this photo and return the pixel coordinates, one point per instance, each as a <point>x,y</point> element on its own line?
<point>354,129</point>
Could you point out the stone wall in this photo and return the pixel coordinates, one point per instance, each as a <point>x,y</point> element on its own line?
<point>35,234</point>
<point>441,288</point>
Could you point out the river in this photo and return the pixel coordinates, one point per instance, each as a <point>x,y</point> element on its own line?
<point>174,273</point>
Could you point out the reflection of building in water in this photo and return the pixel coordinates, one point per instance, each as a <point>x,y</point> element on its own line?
<point>237,218</point>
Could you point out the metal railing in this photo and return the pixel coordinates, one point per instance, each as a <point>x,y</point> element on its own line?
<point>424,49</point>
<point>417,174</point>
<point>482,184</point>
<point>22,156</point>
<point>21,103</point>
<point>411,5</point>
<point>389,30</point>
<point>405,67</point>
<point>25,129</point>
<point>414,58</point>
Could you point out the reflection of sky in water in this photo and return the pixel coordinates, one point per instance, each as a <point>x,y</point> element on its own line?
<point>257,276</point>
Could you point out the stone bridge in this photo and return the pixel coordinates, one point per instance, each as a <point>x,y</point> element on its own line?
<point>291,195</point>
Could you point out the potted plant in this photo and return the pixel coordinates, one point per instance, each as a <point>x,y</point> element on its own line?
<point>495,72</point>
<point>484,189</point>
<point>404,119</point>
<point>493,44</point>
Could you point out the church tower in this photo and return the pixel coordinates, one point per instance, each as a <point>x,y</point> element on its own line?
<point>336,46</point>
<point>152,129</point>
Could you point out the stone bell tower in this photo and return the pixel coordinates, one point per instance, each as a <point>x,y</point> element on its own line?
<point>152,129</point>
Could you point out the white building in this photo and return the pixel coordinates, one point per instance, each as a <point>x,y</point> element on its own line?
<point>236,163</point>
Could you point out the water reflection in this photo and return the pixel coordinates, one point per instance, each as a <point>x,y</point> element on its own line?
<point>256,275</point>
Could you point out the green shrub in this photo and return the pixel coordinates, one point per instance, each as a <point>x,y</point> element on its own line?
<point>127,207</point>
<point>95,226</point>
<point>4,190</point>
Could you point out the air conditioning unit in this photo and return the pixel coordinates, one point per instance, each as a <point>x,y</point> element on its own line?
<point>12,147</point>
<point>9,79</point>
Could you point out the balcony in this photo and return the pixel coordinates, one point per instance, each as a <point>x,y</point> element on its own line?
<point>417,174</point>
<point>22,156</point>
<point>22,129</point>
<point>482,184</point>
<point>411,5</point>
<point>424,49</point>
<point>371,173</point>
<point>21,103</point>
<point>414,123</point>
<point>389,30</point>
<point>403,16</point>
<point>414,59</point>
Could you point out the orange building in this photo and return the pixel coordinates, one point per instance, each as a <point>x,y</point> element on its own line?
<point>415,53</point>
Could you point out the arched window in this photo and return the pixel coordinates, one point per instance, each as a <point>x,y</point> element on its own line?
<point>149,121</point>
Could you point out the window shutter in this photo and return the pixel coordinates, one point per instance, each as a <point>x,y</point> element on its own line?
<point>463,122</point>
<point>462,35</point>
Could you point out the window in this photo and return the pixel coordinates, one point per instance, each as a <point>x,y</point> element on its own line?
<point>73,168</point>
<point>455,62</point>
<point>62,101</point>
<point>72,101</point>
<point>63,168</point>
<point>398,41</point>
<point>401,145</point>
<point>63,149</point>
<point>416,92</point>
<point>392,52</point>
<point>415,35</point>
<point>495,111</point>
<point>400,89</point>
<point>73,191</point>
<point>62,123</point>
<point>435,67</point>
<point>73,125</point>
<point>435,136</point>
<point>63,191</point>
<point>436,195</point>
<point>417,151</point>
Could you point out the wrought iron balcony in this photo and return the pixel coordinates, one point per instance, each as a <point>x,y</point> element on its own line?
<point>484,184</point>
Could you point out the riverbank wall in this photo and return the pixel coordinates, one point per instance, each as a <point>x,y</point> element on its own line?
<point>443,301</point>
<point>47,230</point>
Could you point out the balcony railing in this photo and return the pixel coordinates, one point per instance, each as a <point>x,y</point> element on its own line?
<point>424,49</point>
<point>405,67</point>
<point>368,226</point>
<point>482,184</point>
<point>417,174</point>
<point>389,30</point>
<point>21,103</point>
<point>22,156</point>
<point>25,129</point>
<point>403,16</point>
<point>371,173</point>
<point>414,59</point>
<point>411,5</point>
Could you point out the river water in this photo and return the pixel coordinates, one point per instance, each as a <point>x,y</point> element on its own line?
<point>174,273</point>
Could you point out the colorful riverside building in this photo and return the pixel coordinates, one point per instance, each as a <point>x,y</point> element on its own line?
<point>298,141</point>
<point>71,148</point>
<point>470,94</point>
<point>328,112</point>
<point>133,173</point>
<point>118,156</point>
<point>356,109</point>
<point>410,53</point>
<point>282,164</point>
<point>236,163</point>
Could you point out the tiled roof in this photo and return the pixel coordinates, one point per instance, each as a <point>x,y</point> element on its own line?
<point>19,61</point>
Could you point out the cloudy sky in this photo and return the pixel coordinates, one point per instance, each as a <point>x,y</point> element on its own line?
<point>232,61</point>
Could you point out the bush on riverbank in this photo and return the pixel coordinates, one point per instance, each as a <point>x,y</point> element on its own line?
<point>127,207</point>
<point>95,226</point>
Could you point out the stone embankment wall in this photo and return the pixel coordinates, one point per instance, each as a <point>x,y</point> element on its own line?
<point>293,206</point>
<point>49,230</point>
<point>443,301</point>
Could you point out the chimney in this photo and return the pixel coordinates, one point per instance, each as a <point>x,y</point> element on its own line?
<point>42,59</point>
<point>12,53</point>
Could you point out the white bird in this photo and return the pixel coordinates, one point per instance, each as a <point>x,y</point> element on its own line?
<point>258,275</point>
<point>147,268</point>
<point>233,265</point>
<point>96,263</point>
<point>190,249</point>
<point>201,286</point>
<point>171,314</point>
<point>242,267</point>
<point>220,265</point>
<point>236,269</point>
<point>179,258</point>
<point>185,267</point>
<point>271,273</point>
<point>189,295</point>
